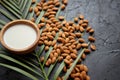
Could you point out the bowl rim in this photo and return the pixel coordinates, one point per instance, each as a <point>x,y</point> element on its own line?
<point>15,22</point>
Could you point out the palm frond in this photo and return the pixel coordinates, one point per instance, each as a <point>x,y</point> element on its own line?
<point>2,22</point>
<point>20,63</point>
<point>12,7</point>
<point>19,70</point>
<point>12,11</point>
<point>26,10</point>
<point>59,70</point>
<point>15,5</point>
<point>6,14</point>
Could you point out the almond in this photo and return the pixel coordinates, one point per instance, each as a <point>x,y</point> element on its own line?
<point>80,22</point>
<point>81,67</point>
<point>76,78</point>
<point>85,68</point>
<point>40,42</point>
<point>81,17</point>
<point>91,31</point>
<point>57,4</point>
<point>62,6</point>
<point>41,59</point>
<point>84,45</point>
<point>37,14</point>
<point>46,48</point>
<point>81,29</point>
<point>33,1</point>
<point>91,38</point>
<point>31,9</point>
<point>61,18</point>
<point>84,25</point>
<point>65,2</point>
<point>64,54</point>
<point>66,61</point>
<point>54,42</point>
<point>76,19</point>
<point>50,37</point>
<point>63,35</point>
<point>74,56</point>
<point>78,35</point>
<point>64,69</point>
<point>51,55</point>
<point>83,73</point>
<point>77,69</point>
<point>49,61</point>
<point>78,46</point>
<point>33,19</point>
<point>45,8</point>
<point>67,40</point>
<point>93,47</point>
<point>87,77</point>
<point>58,78</point>
<point>67,51</point>
<point>81,40</point>
<point>53,60</point>
<point>88,29</point>
<point>55,54</point>
<point>83,56</point>
<point>55,9</point>
<point>42,24</point>
<point>60,58</point>
<point>58,51</point>
<point>87,51</point>
<point>68,57</point>
<point>35,9</point>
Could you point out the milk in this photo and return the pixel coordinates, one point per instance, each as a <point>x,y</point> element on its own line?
<point>19,36</point>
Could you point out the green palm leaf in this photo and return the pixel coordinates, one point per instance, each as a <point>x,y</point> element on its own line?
<point>19,70</point>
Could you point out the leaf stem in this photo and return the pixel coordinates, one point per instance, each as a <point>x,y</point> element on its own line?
<point>43,71</point>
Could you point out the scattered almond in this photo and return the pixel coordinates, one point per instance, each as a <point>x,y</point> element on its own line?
<point>93,47</point>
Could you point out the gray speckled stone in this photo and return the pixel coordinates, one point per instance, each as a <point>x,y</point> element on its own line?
<point>104,17</point>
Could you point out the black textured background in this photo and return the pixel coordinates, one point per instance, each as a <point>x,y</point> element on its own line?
<point>104,17</point>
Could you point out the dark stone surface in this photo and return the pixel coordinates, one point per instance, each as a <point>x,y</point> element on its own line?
<point>104,17</point>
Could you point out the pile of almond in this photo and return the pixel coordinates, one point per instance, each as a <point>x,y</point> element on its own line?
<point>69,40</point>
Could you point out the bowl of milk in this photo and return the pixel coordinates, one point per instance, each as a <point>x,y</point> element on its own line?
<point>20,36</point>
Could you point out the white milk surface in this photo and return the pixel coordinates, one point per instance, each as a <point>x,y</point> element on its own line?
<point>19,36</point>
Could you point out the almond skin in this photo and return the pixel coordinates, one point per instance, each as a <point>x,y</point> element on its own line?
<point>87,77</point>
<point>31,9</point>
<point>81,17</point>
<point>84,45</point>
<point>83,56</point>
<point>81,29</point>
<point>33,1</point>
<point>60,58</point>
<point>78,46</point>
<point>76,19</point>
<point>87,51</point>
<point>61,18</point>
<point>81,40</point>
<point>91,38</point>
<point>93,47</point>
<point>66,61</point>
<point>41,59</point>
<point>53,60</point>
<point>63,7</point>
<point>85,68</point>
<point>74,56</point>
<point>91,31</point>
<point>88,29</point>
<point>35,9</point>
